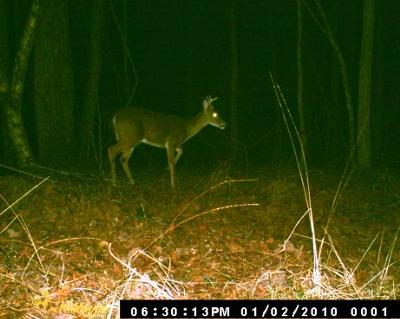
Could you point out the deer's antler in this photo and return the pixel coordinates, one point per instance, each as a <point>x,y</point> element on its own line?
<point>209,99</point>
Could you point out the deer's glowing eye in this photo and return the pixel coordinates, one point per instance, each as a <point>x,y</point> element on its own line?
<point>215,114</point>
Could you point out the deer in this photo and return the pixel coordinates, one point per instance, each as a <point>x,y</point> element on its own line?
<point>133,126</point>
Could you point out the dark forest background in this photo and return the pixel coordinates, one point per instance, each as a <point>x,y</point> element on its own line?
<point>86,59</point>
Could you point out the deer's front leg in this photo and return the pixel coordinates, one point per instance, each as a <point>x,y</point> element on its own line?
<point>171,164</point>
<point>126,154</point>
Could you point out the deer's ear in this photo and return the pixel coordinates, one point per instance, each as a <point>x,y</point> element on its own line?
<point>205,104</point>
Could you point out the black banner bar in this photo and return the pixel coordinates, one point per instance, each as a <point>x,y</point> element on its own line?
<point>260,309</point>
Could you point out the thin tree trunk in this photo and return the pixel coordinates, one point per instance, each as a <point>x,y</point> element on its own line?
<point>300,102</point>
<point>54,87</point>
<point>13,110</point>
<point>234,79</point>
<point>323,23</point>
<point>189,77</point>
<point>126,77</point>
<point>278,128</point>
<point>4,55</point>
<point>334,113</point>
<point>364,84</point>
<point>93,81</point>
<point>347,92</point>
<point>4,81</point>
<point>379,92</point>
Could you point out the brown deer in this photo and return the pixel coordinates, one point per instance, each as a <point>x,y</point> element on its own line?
<point>134,126</point>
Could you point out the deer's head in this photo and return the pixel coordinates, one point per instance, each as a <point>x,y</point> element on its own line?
<point>211,115</point>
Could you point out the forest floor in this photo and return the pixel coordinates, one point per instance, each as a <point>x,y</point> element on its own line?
<point>71,248</point>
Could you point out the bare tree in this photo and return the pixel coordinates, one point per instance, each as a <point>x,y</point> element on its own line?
<point>91,100</point>
<point>234,78</point>
<point>54,86</point>
<point>364,84</point>
<point>321,20</point>
<point>12,111</point>
<point>300,102</point>
<point>4,80</point>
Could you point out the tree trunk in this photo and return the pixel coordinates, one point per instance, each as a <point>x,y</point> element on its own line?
<point>300,105</point>
<point>13,109</point>
<point>379,92</point>
<point>99,12</point>
<point>190,104</point>
<point>364,84</point>
<point>323,23</point>
<point>93,82</point>
<point>53,81</point>
<point>4,81</point>
<point>234,79</point>
<point>278,127</point>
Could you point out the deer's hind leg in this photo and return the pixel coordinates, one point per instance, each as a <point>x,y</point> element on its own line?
<point>125,155</point>
<point>171,163</point>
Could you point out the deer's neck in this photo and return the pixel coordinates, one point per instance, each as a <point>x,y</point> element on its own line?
<point>195,125</point>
